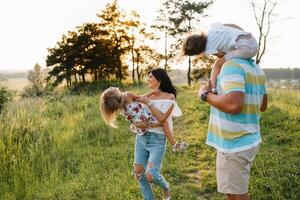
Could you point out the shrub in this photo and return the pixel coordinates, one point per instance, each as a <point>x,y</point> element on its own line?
<point>5,96</point>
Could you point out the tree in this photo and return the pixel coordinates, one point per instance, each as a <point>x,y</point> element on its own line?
<point>37,82</point>
<point>183,16</point>
<point>162,24</point>
<point>263,16</point>
<point>203,66</point>
<point>86,50</point>
<point>61,59</point>
<point>146,59</point>
<point>113,21</point>
<point>93,51</point>
<point>95,48</point>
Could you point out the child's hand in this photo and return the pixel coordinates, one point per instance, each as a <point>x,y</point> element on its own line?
<point>204,88</point>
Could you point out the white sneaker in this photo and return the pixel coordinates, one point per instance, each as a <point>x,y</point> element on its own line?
<point>180,146</point>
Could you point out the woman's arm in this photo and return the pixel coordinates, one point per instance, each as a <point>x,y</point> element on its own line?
<point>132,95</point>
<point>161,117</point>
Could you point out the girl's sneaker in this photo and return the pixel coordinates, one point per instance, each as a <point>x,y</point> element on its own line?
<point>180,146</point>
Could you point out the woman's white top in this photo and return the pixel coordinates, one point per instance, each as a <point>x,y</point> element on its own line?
<point>163,105</point>
<point>222,38</point>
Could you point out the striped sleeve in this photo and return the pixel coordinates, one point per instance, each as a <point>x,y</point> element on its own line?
<point>232,78</point>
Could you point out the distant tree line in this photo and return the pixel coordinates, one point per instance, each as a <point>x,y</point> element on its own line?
<point>6,76</point>
<point>283,73</point>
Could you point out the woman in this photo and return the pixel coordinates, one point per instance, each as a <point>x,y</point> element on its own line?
<point>150,148</point>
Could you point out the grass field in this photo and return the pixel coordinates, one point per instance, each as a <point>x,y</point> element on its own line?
<point>17,84</point>
<point>58,148</point>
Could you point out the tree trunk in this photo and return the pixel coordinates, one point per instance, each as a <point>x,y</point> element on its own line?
<point>166,51</point>
<point>76,80</point>
<point>138,67</point>
<point>95,75</point>
<point>189,73</point>
<point>132,57</point>
<point>83,77</point>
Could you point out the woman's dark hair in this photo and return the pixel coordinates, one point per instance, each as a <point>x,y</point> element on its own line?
<point>165,81</point>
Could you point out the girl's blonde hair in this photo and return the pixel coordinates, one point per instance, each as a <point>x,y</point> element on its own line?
<point>110,105</point>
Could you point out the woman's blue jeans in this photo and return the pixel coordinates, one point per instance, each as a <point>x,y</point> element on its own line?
<point>150,151</point>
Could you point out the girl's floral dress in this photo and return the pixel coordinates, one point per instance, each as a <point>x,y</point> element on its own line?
<point>137,112</point>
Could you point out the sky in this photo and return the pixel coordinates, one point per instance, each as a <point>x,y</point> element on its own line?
<point>29,27</point>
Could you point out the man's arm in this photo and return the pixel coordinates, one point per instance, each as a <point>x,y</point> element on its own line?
<point>264,103</point>
<point>230,103</point>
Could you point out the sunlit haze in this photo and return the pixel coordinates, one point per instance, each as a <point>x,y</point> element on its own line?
<point>29,27</point>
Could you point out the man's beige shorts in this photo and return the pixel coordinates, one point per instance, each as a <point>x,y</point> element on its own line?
<point>233,170</point>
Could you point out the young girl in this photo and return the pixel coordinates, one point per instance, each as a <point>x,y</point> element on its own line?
<point>113,101</point>
<point>226,41</point>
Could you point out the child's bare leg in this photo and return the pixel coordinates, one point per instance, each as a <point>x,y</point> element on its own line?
<point>168,133</point>
<point>216,70</point>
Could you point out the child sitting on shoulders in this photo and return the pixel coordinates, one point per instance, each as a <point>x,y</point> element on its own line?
<point>226,41</point>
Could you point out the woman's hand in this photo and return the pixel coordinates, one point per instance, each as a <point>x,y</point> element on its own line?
<point>146,125</point>
<point>141,124</point>
<point>144,100</point>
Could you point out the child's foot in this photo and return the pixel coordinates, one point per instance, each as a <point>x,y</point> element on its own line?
<point>180,146</point>
<point>167,195</point>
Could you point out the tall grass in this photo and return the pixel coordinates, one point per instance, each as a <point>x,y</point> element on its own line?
<point>59,148</point>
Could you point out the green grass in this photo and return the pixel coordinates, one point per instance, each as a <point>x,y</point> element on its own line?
<point>58,148</point>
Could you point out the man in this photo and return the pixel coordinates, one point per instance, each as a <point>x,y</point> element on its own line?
<point>234,129</point>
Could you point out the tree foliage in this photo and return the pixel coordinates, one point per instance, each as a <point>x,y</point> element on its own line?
<point>98,51</point>
<point>202,67</point>
<point>37,82</point>
<point>183,16</point>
